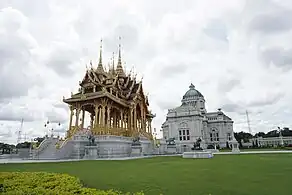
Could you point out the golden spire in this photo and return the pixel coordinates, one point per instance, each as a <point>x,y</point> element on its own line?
<point>120,58</point>
<point>90,64</point>
<point>100,67</point>
<point>120,70</point>
<point>113,65</point>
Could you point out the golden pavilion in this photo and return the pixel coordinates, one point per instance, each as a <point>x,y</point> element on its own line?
<point>114,100</point>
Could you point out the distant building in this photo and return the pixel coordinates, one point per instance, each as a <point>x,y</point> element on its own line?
<point>191,121</point>
<point>272,141</point>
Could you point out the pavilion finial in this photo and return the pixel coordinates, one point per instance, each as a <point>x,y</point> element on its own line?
<point>113,64</point>
<point>90,63</point>
<point>120,70</point>
<point>100,67</point>
<point>120,57</point>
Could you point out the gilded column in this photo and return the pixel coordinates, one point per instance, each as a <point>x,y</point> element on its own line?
<point>71,117</point>
<point>122,119</point>
<point>96,116</point>
<point>83,116</point>
<point>99,116</point>
<point>115,119</point>
<point>132,119</point>
<point>150,128</point>
<point>103,116</point>
<point>77,117</point>
<point>108,117</point>
<point>135,119</point>
<point>91,121</point>
<point>142,119</point>
<point>129,119</point>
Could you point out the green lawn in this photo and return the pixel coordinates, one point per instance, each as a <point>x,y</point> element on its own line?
<point>224,174</point>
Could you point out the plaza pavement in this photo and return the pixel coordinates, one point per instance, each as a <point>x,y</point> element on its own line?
<point>15,160</point>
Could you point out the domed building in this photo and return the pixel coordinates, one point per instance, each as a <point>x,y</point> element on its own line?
<point>191,121</point>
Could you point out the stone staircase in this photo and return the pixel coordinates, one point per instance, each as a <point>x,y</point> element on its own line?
<point>46,150</point>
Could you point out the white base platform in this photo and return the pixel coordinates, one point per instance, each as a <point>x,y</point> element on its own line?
<point>212,150</point>
<point>235,151</point>
<point>198,154</point>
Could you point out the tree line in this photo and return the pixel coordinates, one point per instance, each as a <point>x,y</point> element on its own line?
<point>11,148</point>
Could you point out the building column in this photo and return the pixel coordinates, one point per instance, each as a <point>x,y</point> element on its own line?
<point>122,119</point>
<point>83,116</point>
<point>115,119</point>
<point>130,119</point>
<point>99,116</point>
<point>91,120</point>
<point>71,117</point>
<point>103,116</point>
<point>135,119</point>
<point>96,116</point>
<point>108,117</point>
<point>143,119</point>
<point>77,117</point>
<point>150,127</point>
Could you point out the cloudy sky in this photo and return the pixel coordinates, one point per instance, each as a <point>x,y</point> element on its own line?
<point>237,53</point>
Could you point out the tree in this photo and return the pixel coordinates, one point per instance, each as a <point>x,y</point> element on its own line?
<point>245,137</point>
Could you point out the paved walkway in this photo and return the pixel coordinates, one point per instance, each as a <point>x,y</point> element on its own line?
<point>258,152</point>
<point>14,160</point>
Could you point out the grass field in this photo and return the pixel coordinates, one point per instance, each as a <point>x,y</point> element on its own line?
<point>223,175</point>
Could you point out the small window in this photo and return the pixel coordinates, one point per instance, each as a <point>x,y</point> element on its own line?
<point>188,137</point>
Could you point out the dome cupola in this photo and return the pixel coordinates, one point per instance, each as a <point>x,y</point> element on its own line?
<point>192,97</point>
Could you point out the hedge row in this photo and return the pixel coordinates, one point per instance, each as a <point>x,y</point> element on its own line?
<point>35,183</point>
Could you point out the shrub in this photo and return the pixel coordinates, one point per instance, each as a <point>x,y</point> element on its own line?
<point>35,183</point>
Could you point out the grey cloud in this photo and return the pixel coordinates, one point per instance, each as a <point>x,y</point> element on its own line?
<point>228,85</point>
<point>63,58</point>
<point>56,116</point>
<point>6,134</point>
<point>166,104</point>
<point>173,70</point>
<point>231,107</point>
<point>272,23</point>
<point>28,8</point>
<point>278,56</point>
<point>15,55</point>
<point>129,38</point>
<point>60,130</point>
<point>216,29</point>
<point>10,114</point>
<point>61,105</point>
<point>271,99</point>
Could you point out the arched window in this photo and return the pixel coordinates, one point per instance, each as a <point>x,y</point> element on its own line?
<point>184,132</point>
<point>214,134</point>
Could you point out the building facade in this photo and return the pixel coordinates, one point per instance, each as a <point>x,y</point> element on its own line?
<point>191,121</point>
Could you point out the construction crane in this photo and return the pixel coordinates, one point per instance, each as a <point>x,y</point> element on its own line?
<point>20,132</point>
<point>248,122</point>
